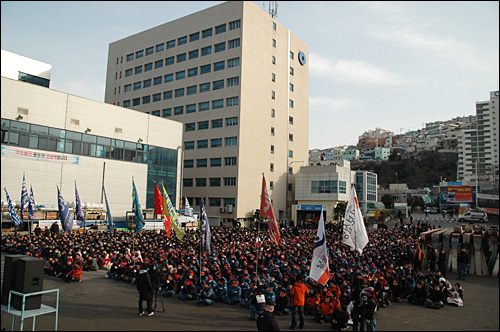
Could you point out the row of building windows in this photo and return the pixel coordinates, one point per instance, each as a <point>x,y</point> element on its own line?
<point>33,136</point>
<point>212,182</point>
<point>190,90</point>
<point>191,72</point>
<point>180,58</point>
<point>181,92</point>
<point>328,187</point>
<point>212,201</point>
<point>214,143</point>
<point>214,162</point>
<point>203,163</point>
<point>179,110</point>
<point>181,41</point>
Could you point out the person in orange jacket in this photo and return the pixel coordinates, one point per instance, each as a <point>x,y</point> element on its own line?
<point>312,302</point>
<point>325,310</point>
<point>299,292</point>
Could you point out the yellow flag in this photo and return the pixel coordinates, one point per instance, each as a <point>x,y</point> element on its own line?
<point>170,212</point>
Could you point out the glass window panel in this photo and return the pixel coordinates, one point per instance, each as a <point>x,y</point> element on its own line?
<point>41,130</point>
<point>207,33</point>
<point>43,142</point>
<point>33,142</point>
<point>20,126</point>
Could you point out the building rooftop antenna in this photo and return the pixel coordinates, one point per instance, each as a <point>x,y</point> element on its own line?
<point>273,9</point>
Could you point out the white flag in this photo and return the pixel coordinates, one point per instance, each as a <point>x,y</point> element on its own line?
<point>354,232</point>
<point>188,211</point>
<point>319,266</point>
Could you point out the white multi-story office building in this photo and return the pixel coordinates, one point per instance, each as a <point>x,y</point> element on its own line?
<point>322,187</point>
<point>478,148</point>
<point>238,81</point>
<point>54,138</point>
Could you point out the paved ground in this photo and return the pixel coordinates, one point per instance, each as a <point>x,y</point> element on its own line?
<point>98,303</point>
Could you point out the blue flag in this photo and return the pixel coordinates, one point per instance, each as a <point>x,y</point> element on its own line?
<point>79,212</point>
<point>24,199</point>
<point>64,214</point>
<point>108,212</point>
<point>12,210</point>
<point>31,205</point>
<point>205,228</point>
<point>136,207</point>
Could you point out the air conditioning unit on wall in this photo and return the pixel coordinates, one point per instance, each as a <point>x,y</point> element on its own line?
<point>222,210</point>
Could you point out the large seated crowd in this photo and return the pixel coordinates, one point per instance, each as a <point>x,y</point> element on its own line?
<point>244,262</point>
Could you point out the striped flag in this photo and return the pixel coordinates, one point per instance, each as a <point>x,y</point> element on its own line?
<point>205,228</point>
<point>108,212</point>
<point>354,231</point>
<point>31,205</point>
<point>24,199</point>
<point>136,207</point>
<point>169,208</point>
<point>12,210</point>
<point>64,214</point>
<point>266,211</point>
<point>319,265</point>
<point>79,213</point>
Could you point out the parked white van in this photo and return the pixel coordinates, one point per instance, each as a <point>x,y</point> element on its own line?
<point>473,216</point>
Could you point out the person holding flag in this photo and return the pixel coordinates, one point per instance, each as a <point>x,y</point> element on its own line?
<point>12,210</point>
<point>319,267</point>
<point>205,228</point>
<point>160,209</point>
<point>79,213</point>
<point>354,231</point>
<point>64,215</point>
<point>266,211</point>
<point>136,207</point>
<point>108,211</point>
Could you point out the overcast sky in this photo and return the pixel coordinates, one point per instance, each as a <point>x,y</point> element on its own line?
<point>393,65</point>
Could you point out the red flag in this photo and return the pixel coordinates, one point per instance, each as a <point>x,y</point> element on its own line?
<point>266,211</point>
<point>159,209</point>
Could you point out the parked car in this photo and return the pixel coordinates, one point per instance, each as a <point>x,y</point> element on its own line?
<point>427,210</point>
<point>434,210</point>
<point>473,216</point>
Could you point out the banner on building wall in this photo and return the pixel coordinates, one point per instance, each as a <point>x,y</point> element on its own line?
<point>459,194</point>
<point>9,151</point>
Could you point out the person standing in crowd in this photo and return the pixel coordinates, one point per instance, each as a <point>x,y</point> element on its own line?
<point>257,304</point>
<point>442,262</point>
<point>145,288</point>
<point>266,320</point>
<point>463,262</point>
<point>299,292</point>
<point>370,310</point>
<point>418,258</point>
<point>54,229</point>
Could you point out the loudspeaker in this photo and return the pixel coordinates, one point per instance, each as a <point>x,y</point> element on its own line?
<point>29,279</point>
<point>9,276</point>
